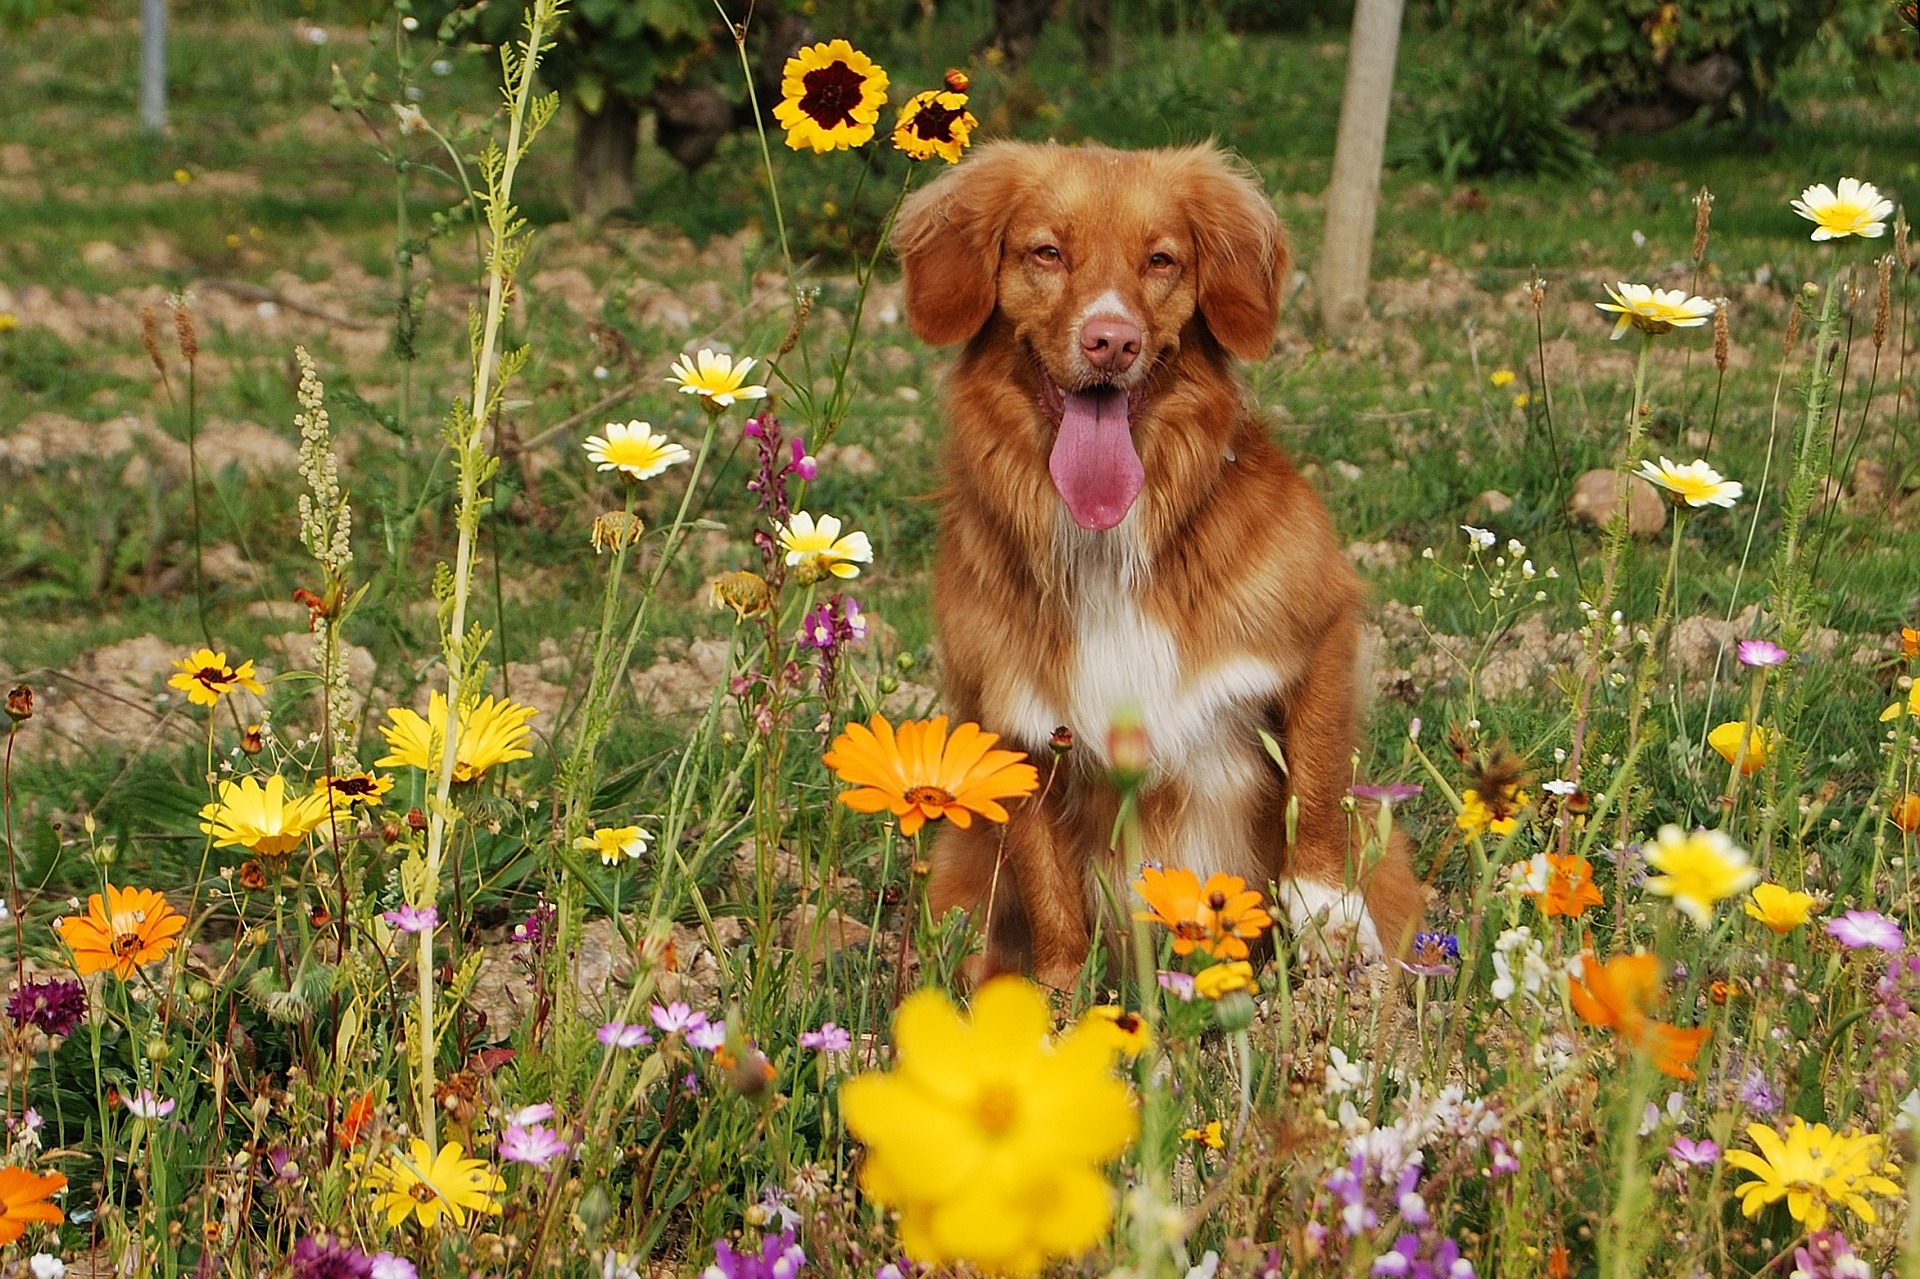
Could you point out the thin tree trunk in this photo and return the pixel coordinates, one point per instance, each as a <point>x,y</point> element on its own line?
<point>603,151</point>
<point>1353,197</point>
<point>153,65</point>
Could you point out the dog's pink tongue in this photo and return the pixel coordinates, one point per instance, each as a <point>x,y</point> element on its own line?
<point>1094,464</point>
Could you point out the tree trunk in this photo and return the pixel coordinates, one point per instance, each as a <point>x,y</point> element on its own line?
<point>603,149</point>
<point>1353,196</point>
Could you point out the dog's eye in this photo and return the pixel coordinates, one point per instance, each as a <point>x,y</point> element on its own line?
<point>1160,261</point>
<point>1046,253</point>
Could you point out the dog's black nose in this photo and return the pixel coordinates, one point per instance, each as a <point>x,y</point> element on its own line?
<point>1110,343</point>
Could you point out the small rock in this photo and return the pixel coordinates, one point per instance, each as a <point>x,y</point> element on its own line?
<point>1488,507</point>
<point>850,459</point>
<point>1595,493</point>
<point>686,686</point>
<point>819,933</point>
<point>1376,556</point>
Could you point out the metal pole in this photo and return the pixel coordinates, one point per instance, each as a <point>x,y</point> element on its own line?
<point>153,65</point>
<point>1353,196</point>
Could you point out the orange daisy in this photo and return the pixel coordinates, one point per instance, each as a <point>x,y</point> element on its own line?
<point>134,927</point>
<point>1570,887</point>
<point>920,774</point>
<point>1219,917</point>
<point>23,1198</point>
<point>1618,997</point>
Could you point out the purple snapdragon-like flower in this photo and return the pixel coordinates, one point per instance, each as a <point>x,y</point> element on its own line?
<point>779,1257</point>
<point>1687,1152</point>
<point>540,931</point>
<point>1758,652</point>
<point>1422,1257</point>
<point>828,1039</point>
<point>53,1006</point>
<point>538,1145</point>
<point>804,464</point>
<point>410,919</point>
<point>1828,1255</point>
<point>677,1018</point>
<point>1501,1162</point>
<point>620,1034</point>
<point>1866,929</point>
<point>322,1258</point>
<point>1348,1187</point>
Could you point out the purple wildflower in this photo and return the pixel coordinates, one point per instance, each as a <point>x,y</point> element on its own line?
<point>1760,653</point>
<point>1407,1199</point>
<point>388,1266</point>
<point>1386,792</point>
<point>804,464</point>
<point>1829,1256</point>
<point>538,1145</point>
<point>708,1036</point>
<point>323,1258</point>
<point>410,919</point>
<point>540,931</point>
<point>282,1166</point>
<point>1441,1260</point>
<point>1433,955</point>
<point>1690,1153</point>
<point>828,1039</point>
<point>1863,929</point>
<point>144,1105</point>
<point>1179,985</point>
<point>1503,1163</point>
<point>780,1257</point>
<point>618,1034</point>
<point>529,1115</point>
<point>1756,1095</point>
<point>677,1018</point>
<point>1346,1186</point>
<point>53,1006</point>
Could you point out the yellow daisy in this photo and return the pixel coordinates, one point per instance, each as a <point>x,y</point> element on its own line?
<point>419,1183</point>
<point>615,844</point>
<point>831,95</point>
<point>1697,869</point>
<point>261,819</point>
<point>1223,979</point>
<point>1857,208</point>
<point>205,677</point>
<point>1813,1168</point>
<point>1781,909</point>
<point>1760,742</point>
<point>1654,310</point>
<point>633,449</point>
<point>716,378</point>
<point>1695,484</point>
<point>1910,707</point>
<point>935,123</point>
<point>494,731</point>
<point>816,548</point>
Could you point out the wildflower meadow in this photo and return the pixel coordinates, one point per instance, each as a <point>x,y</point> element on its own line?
<point>474,725</point>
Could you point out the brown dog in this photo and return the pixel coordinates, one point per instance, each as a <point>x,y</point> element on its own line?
<point>1120,535</point>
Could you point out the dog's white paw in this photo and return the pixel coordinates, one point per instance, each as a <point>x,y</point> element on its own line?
<point>1330,923</point>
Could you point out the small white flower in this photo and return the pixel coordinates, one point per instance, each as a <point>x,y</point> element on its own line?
<point>46,1266</point>
<point>1208,1267</point>
<point>1482,539</point>
<point>1559,786</point>
<point>1343,1075</point>
<point>412,119</point>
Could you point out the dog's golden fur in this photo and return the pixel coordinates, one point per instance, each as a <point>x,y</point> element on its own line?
<point>1220,605</point>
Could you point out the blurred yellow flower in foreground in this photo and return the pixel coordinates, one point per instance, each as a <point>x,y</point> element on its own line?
<point>1697,869</point>
<point>987,1136</point>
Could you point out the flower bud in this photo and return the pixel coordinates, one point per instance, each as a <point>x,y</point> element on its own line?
<point>252,741</point>
<point>1128,748</point>
<point>158,1049</point>
<point>19,703</point>
<point>1234,1011</point>
<point>416,820</point>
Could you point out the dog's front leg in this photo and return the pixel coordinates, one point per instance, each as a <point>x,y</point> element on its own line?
<point>1334,901</point>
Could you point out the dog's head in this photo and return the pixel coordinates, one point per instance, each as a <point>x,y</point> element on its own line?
<point>1101,261</point>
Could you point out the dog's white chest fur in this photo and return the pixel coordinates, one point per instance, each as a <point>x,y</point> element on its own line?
<point>1200,723</point>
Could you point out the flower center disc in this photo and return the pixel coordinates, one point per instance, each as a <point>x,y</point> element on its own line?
<point>996,1108</point>
<point>126,945</point>
<point>832,94</point>
<point>931,796</point>
<point>934,123</point>
<point>211,676</point>
<point>423,1192</point>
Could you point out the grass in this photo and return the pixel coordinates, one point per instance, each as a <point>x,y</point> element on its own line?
<point>278,213</point>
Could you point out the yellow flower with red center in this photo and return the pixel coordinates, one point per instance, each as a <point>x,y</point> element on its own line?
<point>920,774</point>
<point>1498,814</point>
<point>1621,996</point>
<point>130,928</point>
<point>348,789</point>
<point>1218,917</point>
<point>830,97</point>
<point>1212,1135</point>
<point>988,1135</point>
<point>492,731</point>
<point>1131,1034</point>
<point>935,123</point>
<point>205,677</point>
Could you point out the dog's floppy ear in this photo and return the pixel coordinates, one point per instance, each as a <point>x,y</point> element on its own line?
<point>1242,250</point>
<point>948,237</point>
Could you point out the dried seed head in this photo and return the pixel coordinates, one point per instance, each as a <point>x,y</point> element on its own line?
<point>1883,299</point>
<point>1900,239</point>
<point>803,307</point>
<point>747,594</point>
<point>1792,338</point>
<point>150,338</point>
<point>19,703</point>
<point>617,530</point>
<point>1537,292</point>
<point>1702,212</point>
<point>183,327</point>
<point>1720,335</point>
